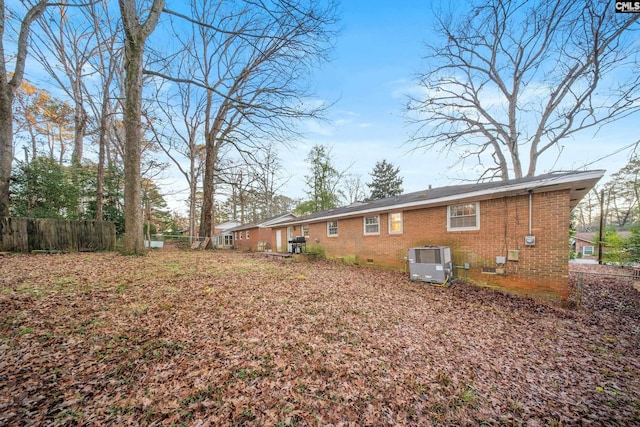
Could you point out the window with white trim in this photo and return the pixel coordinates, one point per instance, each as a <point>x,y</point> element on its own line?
<point>395,223</point>
<point>332,228</point>
<point>305,230</point>
<point>247,234</point>
<point>587,250</point>
<point>371,225</point>
<point>464,216</point>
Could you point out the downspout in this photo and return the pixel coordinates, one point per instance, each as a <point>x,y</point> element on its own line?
<point>530,209</point>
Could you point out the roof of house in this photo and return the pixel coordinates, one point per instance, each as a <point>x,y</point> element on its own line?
<point>578,182</point>
<point>226,225</point>
<point>588,236</point>
<point>265,222</point>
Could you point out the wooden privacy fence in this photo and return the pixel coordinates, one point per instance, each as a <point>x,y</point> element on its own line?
<point>39,234</point>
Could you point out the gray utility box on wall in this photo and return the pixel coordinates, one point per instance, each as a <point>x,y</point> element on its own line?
<point>430,264</point>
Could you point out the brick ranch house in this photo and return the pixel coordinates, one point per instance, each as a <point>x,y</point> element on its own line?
<point>257,236</point>
<point>512,235</point>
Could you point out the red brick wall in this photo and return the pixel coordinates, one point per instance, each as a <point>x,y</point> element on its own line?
<point>540,270</point>
<point>256,235</point>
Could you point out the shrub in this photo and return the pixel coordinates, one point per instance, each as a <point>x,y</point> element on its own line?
<point>318,251</point>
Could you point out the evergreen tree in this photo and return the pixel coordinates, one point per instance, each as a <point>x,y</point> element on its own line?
<point>44,189</point>
<point>385,181</point>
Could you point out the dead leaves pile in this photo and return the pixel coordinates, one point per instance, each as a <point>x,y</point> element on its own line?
<point>216,338</point>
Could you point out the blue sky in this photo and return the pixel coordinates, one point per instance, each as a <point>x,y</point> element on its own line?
<point>378,52</point>
<point>377,56</point>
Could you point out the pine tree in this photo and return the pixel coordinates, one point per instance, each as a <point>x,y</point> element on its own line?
<point>385,181</point>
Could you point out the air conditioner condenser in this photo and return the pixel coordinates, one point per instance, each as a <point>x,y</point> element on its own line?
<point>431,264</point>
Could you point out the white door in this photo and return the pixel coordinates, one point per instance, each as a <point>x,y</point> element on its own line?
<point>289,237</point>
<point>278,240</point>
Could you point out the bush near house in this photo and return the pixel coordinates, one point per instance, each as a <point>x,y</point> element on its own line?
<point>619,249</point>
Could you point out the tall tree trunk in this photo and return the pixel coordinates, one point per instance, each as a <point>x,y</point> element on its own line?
<point>102,140</point>
<point>135,38</point>
<point>80,125</point>
<point>193,191</point>
<point>207,216</point>
<point>207,225</point>
<point>6,145</point>
<point>133,238</point>
<point>8,89</point>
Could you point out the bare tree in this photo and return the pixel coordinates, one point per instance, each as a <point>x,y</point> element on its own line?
<point>622,195</point>
<point>136,33</point>
<point>66,44</point>
<point>182,138</point>
<point>252,58</point>
<point>267,182</point>
<point>510,80</point>
<point>100,100</point>
<point>238,180</point>
<point>9,84</point>
<point>354,190</point>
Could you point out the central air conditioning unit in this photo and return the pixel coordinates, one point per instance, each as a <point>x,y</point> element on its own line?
<point>431,264</point>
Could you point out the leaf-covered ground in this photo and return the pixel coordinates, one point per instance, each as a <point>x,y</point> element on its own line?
<point>216,338</point>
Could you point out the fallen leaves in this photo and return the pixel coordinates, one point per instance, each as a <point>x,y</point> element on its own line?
<point>218,338</point>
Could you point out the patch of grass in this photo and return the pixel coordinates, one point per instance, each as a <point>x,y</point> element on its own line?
<point>139,308</point>
<point>247,374</point>
<point>156,349</point>
<point>68,415</point>
<point>316,250</point>
<point>467,396</point>
<point>115,410</point>
<point>350,259</point>
<point>443,379</point>
<point>200,395</point>
<point>25,331</point>
<point>65,281</point>
<point>515,406</point>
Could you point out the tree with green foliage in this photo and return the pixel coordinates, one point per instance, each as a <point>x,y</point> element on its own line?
<point>323,182</point>
<point>156,214</point>
<point>44,189</point>
<point>614,246</point>
<point>385,181</point>
<point>111,199</point>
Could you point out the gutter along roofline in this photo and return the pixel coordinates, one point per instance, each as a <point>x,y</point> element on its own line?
<point>548,182</point>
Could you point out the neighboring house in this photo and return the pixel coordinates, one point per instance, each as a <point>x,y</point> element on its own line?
<point>585,242</point>
<point>257,236</point>
<point>509,234</point>
<point>223,238</point>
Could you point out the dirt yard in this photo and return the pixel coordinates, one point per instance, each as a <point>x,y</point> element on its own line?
<point>216,338</point>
